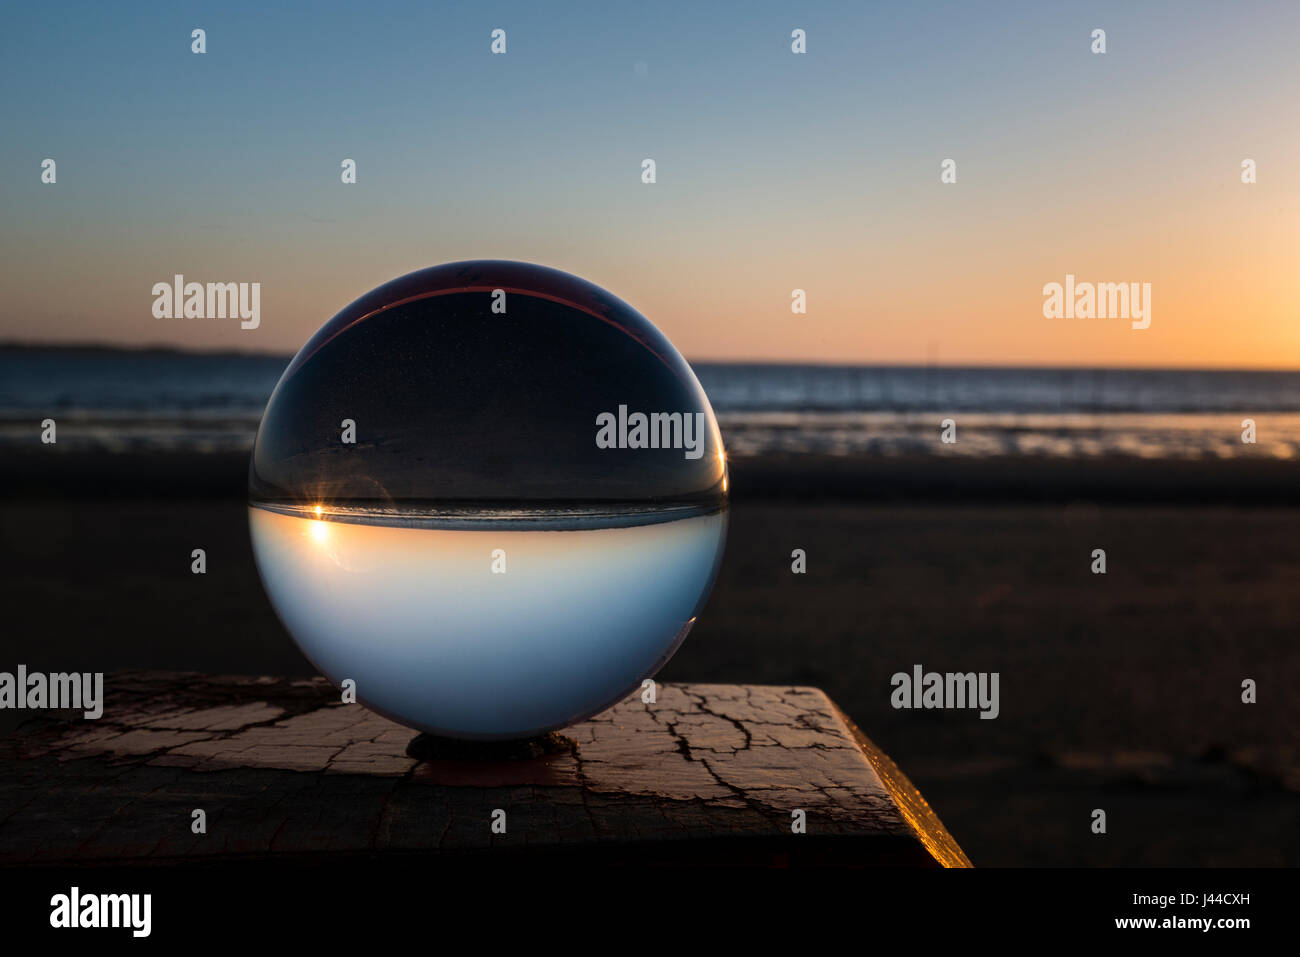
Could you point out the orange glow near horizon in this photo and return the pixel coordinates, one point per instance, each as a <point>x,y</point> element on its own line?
<point>1116,169</point>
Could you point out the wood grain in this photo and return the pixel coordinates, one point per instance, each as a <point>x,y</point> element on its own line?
<point>709,774</point>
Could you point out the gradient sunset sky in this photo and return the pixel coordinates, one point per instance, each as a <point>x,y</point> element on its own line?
<point>775,171</point>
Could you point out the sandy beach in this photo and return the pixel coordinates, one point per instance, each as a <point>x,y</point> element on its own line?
<point>1119,691</point>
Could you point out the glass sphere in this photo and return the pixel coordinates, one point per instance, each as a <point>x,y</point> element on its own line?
<point>492,495</point>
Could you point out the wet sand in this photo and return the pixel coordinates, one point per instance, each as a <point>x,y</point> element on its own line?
<point>1119,692</point>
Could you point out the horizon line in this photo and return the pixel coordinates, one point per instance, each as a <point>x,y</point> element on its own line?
<point>164,349</point>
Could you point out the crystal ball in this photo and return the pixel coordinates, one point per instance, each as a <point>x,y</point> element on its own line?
<point>490,495</point>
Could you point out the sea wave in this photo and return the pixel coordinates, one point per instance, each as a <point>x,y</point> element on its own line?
<point>157,401</point>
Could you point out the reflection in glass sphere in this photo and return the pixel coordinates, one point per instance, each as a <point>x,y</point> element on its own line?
<point>491,494</point>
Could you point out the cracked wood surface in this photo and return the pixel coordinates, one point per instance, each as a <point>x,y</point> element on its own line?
<point>708,774</point>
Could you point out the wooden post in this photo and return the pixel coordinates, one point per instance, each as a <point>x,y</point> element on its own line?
<point>706,775</point>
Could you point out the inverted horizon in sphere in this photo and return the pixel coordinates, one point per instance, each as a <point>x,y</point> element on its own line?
<point>437,641</point>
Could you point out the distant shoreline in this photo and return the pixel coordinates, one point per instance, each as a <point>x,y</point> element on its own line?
<point>105,348</point>
<point>97,348</point>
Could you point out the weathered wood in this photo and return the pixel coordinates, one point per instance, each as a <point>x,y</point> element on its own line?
<point>283,769</point>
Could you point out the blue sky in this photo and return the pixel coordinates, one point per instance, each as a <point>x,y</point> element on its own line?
<point>774,170</point>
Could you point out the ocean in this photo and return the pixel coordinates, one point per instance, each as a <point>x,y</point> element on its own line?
<point>125,401</point>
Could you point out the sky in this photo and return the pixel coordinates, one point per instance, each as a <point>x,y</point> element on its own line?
<point>775,171</point>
